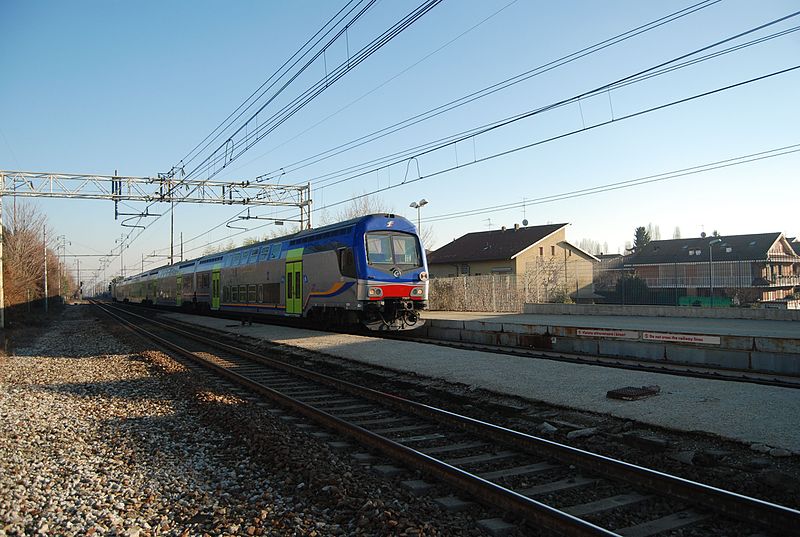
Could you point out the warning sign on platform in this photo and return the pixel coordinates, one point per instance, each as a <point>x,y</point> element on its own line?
<point>680,338</point>
<point>608,333</point>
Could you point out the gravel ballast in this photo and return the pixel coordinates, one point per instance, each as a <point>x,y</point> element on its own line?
<point>102,436</point>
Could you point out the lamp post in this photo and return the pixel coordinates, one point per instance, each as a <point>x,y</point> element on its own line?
<point>418,205</point>
<point>711,268</point>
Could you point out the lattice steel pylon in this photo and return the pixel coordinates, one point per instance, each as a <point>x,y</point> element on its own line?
<point>165,188</point>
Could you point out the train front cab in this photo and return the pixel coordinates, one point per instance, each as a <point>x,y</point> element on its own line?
<point>393,276</point>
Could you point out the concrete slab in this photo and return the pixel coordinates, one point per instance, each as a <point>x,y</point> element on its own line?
<point>417,486</point>
<point>453,503</point>
<point>722,327</point>
<point>497,527</point>
<point>387,470</point>
<point>745,412</point>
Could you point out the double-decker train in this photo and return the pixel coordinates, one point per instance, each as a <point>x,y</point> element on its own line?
<point>368,270</point>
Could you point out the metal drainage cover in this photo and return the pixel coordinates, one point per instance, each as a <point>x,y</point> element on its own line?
<point>630,393</point>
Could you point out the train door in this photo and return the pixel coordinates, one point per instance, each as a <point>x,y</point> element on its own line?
<point>179,290</point>
<point>215,289</point>
<point>294,287</point>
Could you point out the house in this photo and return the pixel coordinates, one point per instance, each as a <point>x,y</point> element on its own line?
<point>539,256</point>
<point>754,267</point>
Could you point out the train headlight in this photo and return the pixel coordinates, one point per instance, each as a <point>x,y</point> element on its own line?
<point>375,291</point>
<point>418,291</point>
<point>423,276</point>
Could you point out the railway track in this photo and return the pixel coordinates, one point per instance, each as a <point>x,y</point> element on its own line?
<point>666,368</point>
<point>534,481</point>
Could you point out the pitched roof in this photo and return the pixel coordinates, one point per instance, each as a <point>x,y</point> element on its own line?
<point>731,248</point>
<point>491,245</point>
<point>580,251</point>
<point>795,244</point>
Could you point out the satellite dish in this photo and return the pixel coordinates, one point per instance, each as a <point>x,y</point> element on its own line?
<point>524,222</point>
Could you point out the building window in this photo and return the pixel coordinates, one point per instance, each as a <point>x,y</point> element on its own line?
<point>541,250</point>
<point>552,250</point>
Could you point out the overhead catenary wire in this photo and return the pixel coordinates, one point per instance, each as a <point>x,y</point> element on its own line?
<point>590,191</point>
<point>423,149</point>
<point>389,160</point>
<point>222,158</point>
<point>362,55</point>
<point>484,92</point>
<point>572,133</point>
<point>280,72</point>
<point>501,85</point>
<point>628,183</point>
<point>670,104</point>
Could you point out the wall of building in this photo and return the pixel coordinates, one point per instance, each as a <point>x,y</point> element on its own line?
<point>500,266</point>
<point>549,265</point>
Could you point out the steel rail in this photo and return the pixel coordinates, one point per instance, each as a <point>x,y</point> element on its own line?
<point>530,510</point>
<point>779,518</point>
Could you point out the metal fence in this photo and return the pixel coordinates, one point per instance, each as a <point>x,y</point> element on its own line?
<point>723,284</point>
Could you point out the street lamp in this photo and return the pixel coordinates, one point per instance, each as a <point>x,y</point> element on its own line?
<point>418,205</point>
<point>711,268</point>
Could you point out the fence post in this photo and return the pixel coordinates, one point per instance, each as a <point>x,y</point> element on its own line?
<point>675,280</point>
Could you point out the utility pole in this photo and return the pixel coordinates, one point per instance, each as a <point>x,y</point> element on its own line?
<point>171,232</point>
<point>80,285</point>
<point>2,294</point>
<point>121,248</point>
<point>181,246</point>
<point>44,240</point>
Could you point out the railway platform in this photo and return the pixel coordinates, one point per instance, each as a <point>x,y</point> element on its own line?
<point>769,346</point>
<point>749,413</point>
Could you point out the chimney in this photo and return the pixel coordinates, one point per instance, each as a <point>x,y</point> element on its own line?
<point>516,227</point>
<point>503,228</point>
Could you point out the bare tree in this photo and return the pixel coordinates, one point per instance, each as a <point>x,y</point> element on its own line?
<point>677,233</point>
<point>24,258</point>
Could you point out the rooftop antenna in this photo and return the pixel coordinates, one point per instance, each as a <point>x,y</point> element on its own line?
<point>488,222</point>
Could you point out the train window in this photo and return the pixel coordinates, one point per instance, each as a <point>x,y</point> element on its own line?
<point>379,249</point>
<point>260,297</point>
<point>405,250</point>
<point>275,250</point>
<point>251,293</point>
<point>347,262</point>
<point>392,249</point>
<point>236,259</point>
<point>253,256</point>
<point>264,254</point>
<point>234,294</point>
<point>289,288</point>
<point>242,293</point>
<point>297,287</point>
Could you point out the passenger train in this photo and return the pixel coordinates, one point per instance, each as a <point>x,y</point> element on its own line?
<point>370,270</point>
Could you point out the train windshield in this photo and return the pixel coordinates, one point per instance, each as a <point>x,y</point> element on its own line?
<point>392,248</point>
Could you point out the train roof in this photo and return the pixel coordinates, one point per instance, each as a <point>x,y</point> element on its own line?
<point>367,220</point>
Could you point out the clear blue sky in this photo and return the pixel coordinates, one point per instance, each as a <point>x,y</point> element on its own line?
<point>93,87</point>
